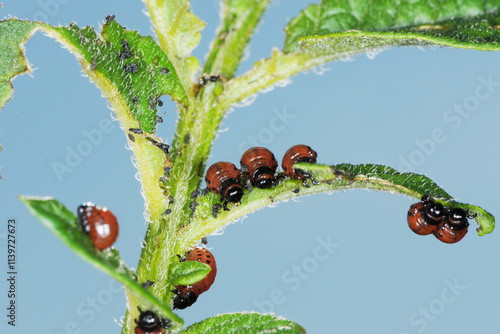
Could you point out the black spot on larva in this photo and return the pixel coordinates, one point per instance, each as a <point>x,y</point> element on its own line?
<point>135,100</point>
<point>93,66</point>
<point>207,261</point>
<point>164,70</point>
<point>208,255</point>
<point>131,137</point>
<point>159,102</point>
<point>137,131</point>
<point>170,200</point>
<point>110,18</point>
<point>167,212</point>
<point>296,190</point>
<point>132,68</point>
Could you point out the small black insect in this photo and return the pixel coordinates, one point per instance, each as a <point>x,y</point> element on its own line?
<point>213,78</point>
<point>167,212</point>
<point>135,100</point>
<point>126,50</point>
<point>131,137</point>
<point>193,205</point>
<point>296,190</point>
<point>147,284</point>
<point>132,67</point>
<point>164,70</point>
<point>93,66</point>
<point>110,18</point>
<point>162,146</point>
<point>137,131</point>
<point>215,209</point>
<point>204,240</point>
<point>187,138</point>
<point>152,103</point>
<point>167,170</point>
<point>195,194</point>
<point>159,102</point>
<point>170,200</point>
<point>159,119</point>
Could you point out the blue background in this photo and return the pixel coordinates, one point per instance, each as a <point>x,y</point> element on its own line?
<point>380,278</point>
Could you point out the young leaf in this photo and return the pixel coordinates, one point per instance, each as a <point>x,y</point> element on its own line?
<point>346,27</point>
<point>334,29</point>
<point>13,35</point>
<point>239,21</point>
<point>178,32</point>
<point>330,178</point>
<point>188,272</point>
<point>249,323</point>
<point>62,222</point>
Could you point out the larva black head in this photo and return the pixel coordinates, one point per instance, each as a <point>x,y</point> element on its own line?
<point>82,216</point>
<point>231,190</point>
<point>234,193</point>
<point>457,219</point>
<point>148,321</point>
<point>434,212</point>
<point>183,300</point>
<point>264,178</point>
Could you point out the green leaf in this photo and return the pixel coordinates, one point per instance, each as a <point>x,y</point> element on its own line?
<point>340,27</point>
<point>249,323</point>
<point>13,35</point>
<point>107,63</point>
<point>178,32</point>
<point>140,76</point>
<point>62,222</point>
<point>334,28</point>
<point>240,17</point>
<point>188,272</point>
<point>331,178</point>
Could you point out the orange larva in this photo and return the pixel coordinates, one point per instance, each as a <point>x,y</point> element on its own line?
<point>186,295</point>
<point>259,166</point>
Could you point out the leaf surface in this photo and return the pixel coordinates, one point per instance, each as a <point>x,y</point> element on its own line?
<point>337,27</point>
<point>63,223</point>
<point>330,179</point>
<point>245,323</point>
